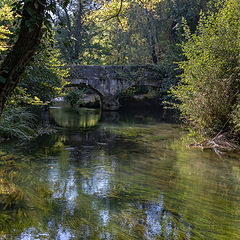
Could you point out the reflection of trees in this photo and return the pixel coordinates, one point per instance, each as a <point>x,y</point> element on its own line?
<point>108,173</point>
<point>22,204</point>
<point>82,119</point>
<point>206,195</point>
<point>120,182</point>
<point>75,187</point>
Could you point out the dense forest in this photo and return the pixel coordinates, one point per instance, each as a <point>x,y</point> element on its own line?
<point>196,43</point>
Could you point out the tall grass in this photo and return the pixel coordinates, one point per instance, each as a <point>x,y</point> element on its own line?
<point>17,123</point>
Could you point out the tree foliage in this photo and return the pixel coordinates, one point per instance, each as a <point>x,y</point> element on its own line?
<point>5,16</point>
<point>209,88</point>
<point>74,97</point>
<point>45,77</point>
<point>21,53</point>
<point>140,32</point>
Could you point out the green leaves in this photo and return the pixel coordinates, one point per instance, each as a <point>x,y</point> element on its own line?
<point>46,77</point>
<point>208,88</point>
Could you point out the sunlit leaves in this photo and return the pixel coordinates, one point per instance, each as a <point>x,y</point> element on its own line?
<point>45,78</point>
<point>117,10</point>
<point>5,16</point>
<point>5,13</point>
<point>150,5</point>
<point>209,87</point>
<point>108,10</point>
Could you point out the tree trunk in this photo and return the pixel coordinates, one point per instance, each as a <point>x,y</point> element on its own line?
<point>158,54</point>
<point>22,52</point>
<point>152,43</point>
<point>78,31</point>
<point>69,33</point>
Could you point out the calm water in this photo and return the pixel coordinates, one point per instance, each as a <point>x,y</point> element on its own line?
<point>116,176</point>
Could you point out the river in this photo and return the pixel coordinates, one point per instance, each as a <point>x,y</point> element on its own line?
<point>116,176</point>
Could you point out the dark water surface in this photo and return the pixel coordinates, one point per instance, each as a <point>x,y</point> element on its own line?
<point>116,176</point>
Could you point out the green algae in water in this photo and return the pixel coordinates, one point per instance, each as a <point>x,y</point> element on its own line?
<point>118,181</point>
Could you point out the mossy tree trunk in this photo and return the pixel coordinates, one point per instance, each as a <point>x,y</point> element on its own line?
<point>23,50</point>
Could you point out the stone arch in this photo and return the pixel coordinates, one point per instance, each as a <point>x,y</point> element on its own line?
<point>110,81</point>
<point>86,86</point>
<point>107,102</point>
<point>90,87</point>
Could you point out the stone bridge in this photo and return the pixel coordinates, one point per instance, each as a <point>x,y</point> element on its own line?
<point>110,81</point>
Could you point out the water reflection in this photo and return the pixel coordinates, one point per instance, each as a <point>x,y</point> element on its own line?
<point>83,118</point>
<point>118,181</point>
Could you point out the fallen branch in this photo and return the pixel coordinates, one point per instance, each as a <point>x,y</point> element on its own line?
<point>220,143</point>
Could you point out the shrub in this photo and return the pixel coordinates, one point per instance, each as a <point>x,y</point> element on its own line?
<point>74,97</point>
<point>208,92</point>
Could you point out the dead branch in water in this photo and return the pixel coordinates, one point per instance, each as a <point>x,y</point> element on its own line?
<point>220,143</point>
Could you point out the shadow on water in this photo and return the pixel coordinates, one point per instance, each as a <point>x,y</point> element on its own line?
<point>116,176</point>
